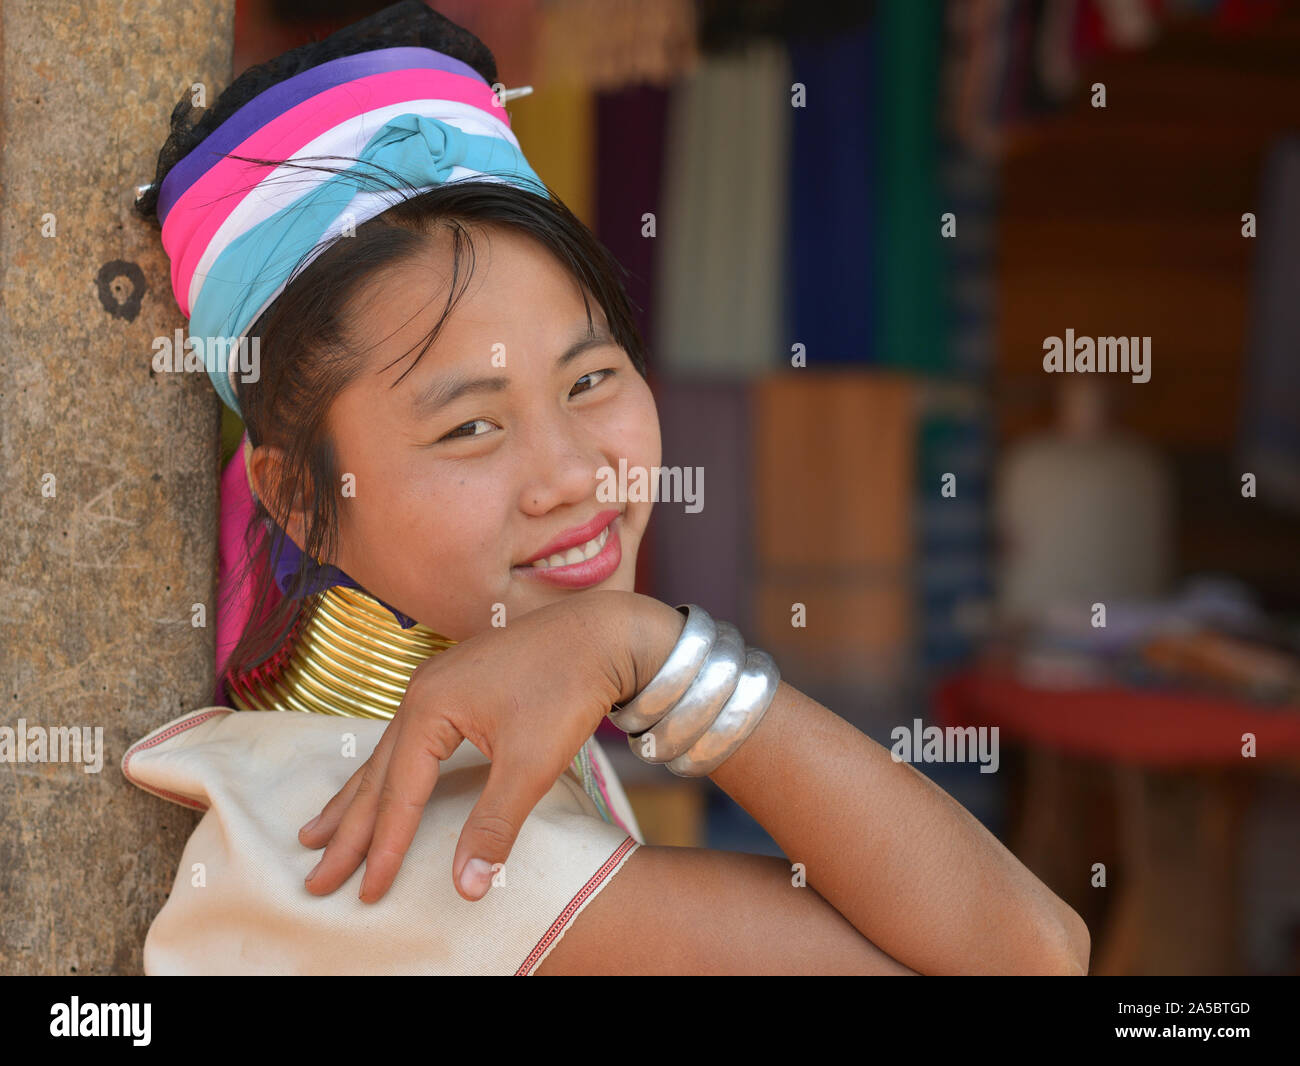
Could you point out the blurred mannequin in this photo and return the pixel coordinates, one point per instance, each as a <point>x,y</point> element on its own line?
<point>1084,512</point>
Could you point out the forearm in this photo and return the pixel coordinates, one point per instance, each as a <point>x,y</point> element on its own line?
<point>913,871</point>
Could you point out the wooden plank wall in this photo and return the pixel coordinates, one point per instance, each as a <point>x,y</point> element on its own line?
<point>1127,222</point>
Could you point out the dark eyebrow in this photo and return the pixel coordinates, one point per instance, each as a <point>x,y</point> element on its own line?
<point>449,388</point>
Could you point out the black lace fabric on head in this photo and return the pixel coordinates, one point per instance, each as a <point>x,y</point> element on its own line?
<point>410,23</point>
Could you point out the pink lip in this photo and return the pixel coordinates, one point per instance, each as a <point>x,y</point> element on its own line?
<point>586,573</point>
<point>571,538</point>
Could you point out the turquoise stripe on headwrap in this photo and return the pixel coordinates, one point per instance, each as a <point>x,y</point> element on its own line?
<point>257,265</point>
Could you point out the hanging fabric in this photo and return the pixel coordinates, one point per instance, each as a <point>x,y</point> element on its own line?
<point>608,46</point>
<point>721,238</point>
<point>631,125</point>
<point>910,327</point>
<point>831,268</point>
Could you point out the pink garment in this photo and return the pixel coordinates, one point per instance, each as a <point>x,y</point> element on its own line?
<point>234,596</point>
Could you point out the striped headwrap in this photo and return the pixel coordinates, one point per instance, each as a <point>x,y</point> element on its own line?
<point>237,231</point>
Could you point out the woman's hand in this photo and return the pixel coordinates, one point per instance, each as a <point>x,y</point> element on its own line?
<point>528,696</point>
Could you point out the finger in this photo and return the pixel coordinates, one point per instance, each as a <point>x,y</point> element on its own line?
<point>319,830</point>
<point>513,789</point>
<point>348,846</point>
<point>412,775</point>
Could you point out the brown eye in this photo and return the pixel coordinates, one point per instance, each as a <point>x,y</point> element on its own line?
<point>585,377</point>
<point>456,433</point>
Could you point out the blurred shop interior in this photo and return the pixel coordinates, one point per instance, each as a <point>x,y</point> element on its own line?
<point>869,218</point>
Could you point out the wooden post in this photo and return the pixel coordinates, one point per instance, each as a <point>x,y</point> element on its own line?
<point>108,473</point>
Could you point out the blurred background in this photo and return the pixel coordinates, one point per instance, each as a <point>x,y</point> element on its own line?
<point>850,230</point>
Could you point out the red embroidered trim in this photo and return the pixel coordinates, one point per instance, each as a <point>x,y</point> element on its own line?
<point>167,734</point>
<point>566,915</point>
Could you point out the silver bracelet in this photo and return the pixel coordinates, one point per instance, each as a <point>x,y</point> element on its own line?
<point>704,702</point>
<point>674,677</point>
<point>738,718</point>
<point>691,716</point>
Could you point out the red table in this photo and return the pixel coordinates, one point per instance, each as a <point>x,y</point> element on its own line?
<point>1163,772</point>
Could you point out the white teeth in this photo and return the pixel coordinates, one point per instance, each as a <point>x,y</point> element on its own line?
<point>577,554</point>
<point>592,547</point>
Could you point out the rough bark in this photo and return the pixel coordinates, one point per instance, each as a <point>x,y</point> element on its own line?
<point>98,578</point>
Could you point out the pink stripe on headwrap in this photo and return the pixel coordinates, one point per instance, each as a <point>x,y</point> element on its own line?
<point>201,210</point>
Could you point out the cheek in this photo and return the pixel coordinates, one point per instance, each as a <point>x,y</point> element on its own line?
<point>451,518</point>
<point>388,519</point>
<point>412,532</point>
<point>635,428</point>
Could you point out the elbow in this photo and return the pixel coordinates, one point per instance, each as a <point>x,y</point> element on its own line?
<point>1067,947</point>
<point>1080,942</point>
<point>1051,943</point>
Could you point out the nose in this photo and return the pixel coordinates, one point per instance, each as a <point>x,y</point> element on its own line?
<point>560,465</point>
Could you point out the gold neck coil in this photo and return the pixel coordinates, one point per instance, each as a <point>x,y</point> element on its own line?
<point>350,658</point>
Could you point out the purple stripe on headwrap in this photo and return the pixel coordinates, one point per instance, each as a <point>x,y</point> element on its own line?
<point>319,579</point>
<point>287,95</point>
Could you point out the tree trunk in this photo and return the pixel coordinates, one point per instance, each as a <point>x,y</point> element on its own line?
<point>108,473</point>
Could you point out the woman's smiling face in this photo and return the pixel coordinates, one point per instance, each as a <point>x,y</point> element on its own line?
<point>487,452</point>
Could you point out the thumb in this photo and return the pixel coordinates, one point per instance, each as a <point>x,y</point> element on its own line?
<point>492,827</point>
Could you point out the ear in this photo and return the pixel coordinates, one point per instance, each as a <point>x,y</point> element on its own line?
<point>267,468</point>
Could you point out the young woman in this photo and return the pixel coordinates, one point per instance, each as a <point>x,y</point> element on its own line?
<point>447,360</point>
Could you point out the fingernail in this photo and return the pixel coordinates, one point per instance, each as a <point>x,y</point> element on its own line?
<point>308,827</point>
<point>475,878</point>
<point>314,869</point>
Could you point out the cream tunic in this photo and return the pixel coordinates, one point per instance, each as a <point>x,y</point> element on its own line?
<point>239,906</point>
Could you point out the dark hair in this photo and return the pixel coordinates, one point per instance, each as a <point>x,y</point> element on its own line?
<point>306,357</point>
